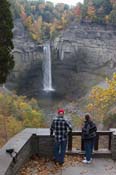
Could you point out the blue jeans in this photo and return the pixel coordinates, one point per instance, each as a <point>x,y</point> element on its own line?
<point>59,151</point>
<point>88,144</point>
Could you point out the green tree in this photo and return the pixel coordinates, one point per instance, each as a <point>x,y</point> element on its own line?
<point>98,3</point>
<point>6,44</point>
<point>113,15</point>
<point>105,4</point>
<point>14,8</point>
<point>107,7</point>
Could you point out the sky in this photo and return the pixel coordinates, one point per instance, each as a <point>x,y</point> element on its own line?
<point>70,2</point>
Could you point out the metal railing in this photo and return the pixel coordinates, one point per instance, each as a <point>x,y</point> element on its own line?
<point>96,145</point>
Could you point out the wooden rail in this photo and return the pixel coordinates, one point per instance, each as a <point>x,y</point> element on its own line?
<point>96,146</point>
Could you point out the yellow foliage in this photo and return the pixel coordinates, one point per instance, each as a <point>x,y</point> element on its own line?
<point>91,11</point>
<point>17,113</point>
<point>13,126</point>
<point>77,121</point>
<point>107,19</point>
<point>102,99</point>
<point>64,19</point>
<point>34,36</point>
<point>59,27</point>
<point>52,29</point>
<point>29,21</point>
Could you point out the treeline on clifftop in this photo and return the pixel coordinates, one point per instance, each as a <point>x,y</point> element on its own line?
<point>44,20</point>
<point>99,11</point>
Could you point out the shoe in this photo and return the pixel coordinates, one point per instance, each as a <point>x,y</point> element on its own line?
<point>55,161</point>
<point>85,158</point>
<point>89,161</point>
<point>61,163</point>
<point>85,161</point>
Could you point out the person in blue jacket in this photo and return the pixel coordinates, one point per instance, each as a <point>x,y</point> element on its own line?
<point>88,135</point>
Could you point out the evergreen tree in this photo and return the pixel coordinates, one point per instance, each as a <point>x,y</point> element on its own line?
<point>6,44</point>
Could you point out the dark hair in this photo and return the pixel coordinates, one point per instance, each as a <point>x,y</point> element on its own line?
<point>87,117</point>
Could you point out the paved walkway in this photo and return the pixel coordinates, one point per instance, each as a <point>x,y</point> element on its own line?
<point>97,167</point>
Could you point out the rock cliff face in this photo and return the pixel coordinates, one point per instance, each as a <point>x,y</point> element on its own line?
<point>86,54</point>
<point>82,56</point>
<point>28,59</point>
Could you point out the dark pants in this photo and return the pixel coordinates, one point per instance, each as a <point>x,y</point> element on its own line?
<point>59,151</point>
<point>89,145</point>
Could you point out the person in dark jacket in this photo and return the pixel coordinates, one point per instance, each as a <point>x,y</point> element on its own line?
<point>60,127</point>
<point>88,135</point>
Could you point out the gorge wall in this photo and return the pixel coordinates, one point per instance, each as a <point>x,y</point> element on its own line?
<point>28,59</point>
<point>86,54</point>
<point>82,56</point>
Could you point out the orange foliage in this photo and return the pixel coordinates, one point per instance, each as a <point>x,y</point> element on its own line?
<point>113,1</point>
<point>91,11</point>
<point>77,10</point>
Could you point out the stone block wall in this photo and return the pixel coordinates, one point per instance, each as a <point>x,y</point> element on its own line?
<point>32,142</point>
<point>113,146</point>
<point>27,143</point>
<point>42,145</point>
<point>21,159</point>
<point>45,146</point>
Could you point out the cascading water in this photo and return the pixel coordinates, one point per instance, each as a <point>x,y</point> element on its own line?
<point>47,74</point>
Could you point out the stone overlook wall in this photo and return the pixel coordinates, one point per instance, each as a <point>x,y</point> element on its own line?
<point>27,143</point>
<point>32,142</point>
<point>113,147</point>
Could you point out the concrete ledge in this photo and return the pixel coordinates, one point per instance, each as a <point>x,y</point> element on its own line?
<point>21,144</point>
<point>37,142</point>
<point>24,145</point>
<point>113,144</point>
<point>101,153</point>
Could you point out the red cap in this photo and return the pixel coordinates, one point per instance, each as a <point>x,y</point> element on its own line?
<point>60,111</point>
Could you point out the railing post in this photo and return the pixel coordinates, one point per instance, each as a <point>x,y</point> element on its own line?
<point>34,144</point>
<point>82,145</point>
<point>70,141</point>
<point>113,144</point>
<point>110,139</point>
<point>96,142</point>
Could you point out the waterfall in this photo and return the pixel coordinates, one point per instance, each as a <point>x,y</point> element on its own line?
<point>47,74</point>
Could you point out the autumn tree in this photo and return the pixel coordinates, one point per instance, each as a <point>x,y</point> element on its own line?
<point>17,113</point>
<point>78,11</point>
<point>6,44</point>
<point>84,11</point>
<point>112,15</point>
<point>91,11</point>
<point>43,20</point>
<point>103,99</point>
